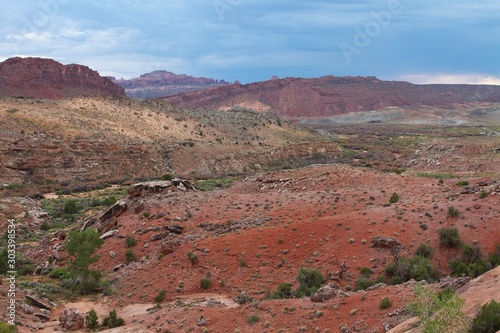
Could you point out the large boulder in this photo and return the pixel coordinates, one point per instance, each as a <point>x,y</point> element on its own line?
<point>325,293</point>
<point>71,319</point>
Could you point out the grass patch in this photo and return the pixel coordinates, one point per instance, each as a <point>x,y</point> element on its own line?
<point>212,184</point>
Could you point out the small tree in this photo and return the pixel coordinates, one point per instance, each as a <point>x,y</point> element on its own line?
<point>205,283</point>
<point>130,241</point>
<point>161,296</point>
<point>81,247</point>
<point>453,212</point>
<point>113,320</point>
<point>70,207</point>
<point>91,320</point>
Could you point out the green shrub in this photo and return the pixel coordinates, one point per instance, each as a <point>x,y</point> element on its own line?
<point>205,283</point>
<point>252,319</point>
<point>112,320</point>
<point>130,256</point>
<point>453,212</point>
<point>161,296</point>
<point>472,262</point>
<point>494,258</point>
<point>488,319</point>
<point>212,184</point>
<point>385,303</point>
<point>6,328</point>
<point>424,250</point>
<point>167,176</point>
<point>130,241</point>
<point>45,226</point>
<point>438,312</point>
<point>193,258</point>
<point>483,195</point>
<point>310,281</point>
<point>60,273</point>
<point>450,237</point>
<point>363,283</point>
<point>109,201</point>
<point>70,207</point>
<point>91,320</point>
<point>405,269</point>
<point>284,291</point>
<point>394,198</point>
<point>463,183</point>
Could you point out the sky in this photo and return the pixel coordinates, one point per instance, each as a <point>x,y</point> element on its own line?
<point>421,41</point>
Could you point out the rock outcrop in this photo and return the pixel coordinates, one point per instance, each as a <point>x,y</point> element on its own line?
<point>71,319</point>
<point>46,78</point>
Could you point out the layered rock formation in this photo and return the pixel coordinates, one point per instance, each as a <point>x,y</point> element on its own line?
<point>162,83</point>
<point>46,78</point>
<point>331,96</point>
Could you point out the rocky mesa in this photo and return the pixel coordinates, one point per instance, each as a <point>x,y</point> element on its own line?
<point>162,83</point>
<point>331,96</point>
<point>47,78</point>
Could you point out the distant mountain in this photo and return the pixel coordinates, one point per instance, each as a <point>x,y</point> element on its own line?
<point>331,96</point>
<point>163,83</point>
<point>46,78</point>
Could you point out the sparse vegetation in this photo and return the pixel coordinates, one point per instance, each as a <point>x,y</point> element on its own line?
<point>6,328</point>
<point>130,256</point>
<point>253,318</point>
<point>193,258</point>
<point>284,291</point>
<point>453,212</point>
<point>424,250</point>
<point>212,184</point>
<point>471,263</point>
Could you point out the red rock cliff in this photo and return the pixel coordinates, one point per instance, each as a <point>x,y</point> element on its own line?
<point>46,78</point>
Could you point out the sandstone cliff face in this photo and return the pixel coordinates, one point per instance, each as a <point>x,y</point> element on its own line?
<point>162,83</point>
<point>46,78</point>
<point>331,96</point>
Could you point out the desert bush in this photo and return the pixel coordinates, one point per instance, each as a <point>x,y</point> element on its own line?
<point>193,258</point>
<point>109,201</point>
<point>160,297</point>
<point>253,318</point>
<point>6,328</point>
<point>91,320</point>
<point>130,241</point>
<point>450,237</point>
<point>488,319</point>
<point>424,250</point>
<point>212,184</point>
<point>438,312</point>
<point>284,291</point>
<point>205,283</point>
<point>385,303</point>
<point>81,246</point>
<point>70,207</point>
<point>310,281</point>
<point>471,263</point>
<point>483,195</point>
<point>167,176</point>
<point>463,183</point>
<point>112,320</point>
<point>405,269</point>
<point>394,198</point>
<point>363,283</point>
<point>453,212</point>
<point>494,258</point>
<point>130,256</point>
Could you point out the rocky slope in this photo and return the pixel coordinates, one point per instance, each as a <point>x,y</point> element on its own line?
<point>46,78</point>
<point>331,96</point>
<point>162,83</point>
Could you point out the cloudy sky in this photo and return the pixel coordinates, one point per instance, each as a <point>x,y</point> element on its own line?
<point>422,41</point>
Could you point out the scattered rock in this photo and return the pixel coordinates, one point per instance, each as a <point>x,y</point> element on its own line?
<point>139,207</point>
<point>137,190</point>
<point>110,233</point>
<point>43,317</point>
<point>384,242</point>
<point>243,298</point>
<point>71,319</point>
<point>28,309</point>
<point>112,254</point>
<point>325,293</point>
<point>38,303</point>
<point>406,326</point>
<point>118,267</point>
